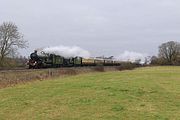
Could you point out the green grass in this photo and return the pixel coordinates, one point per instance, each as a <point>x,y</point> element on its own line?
<point>151,93</point>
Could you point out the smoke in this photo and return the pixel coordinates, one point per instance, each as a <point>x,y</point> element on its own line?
<point>74,51</point>
<point>132,57</point>
<point>67,51</point>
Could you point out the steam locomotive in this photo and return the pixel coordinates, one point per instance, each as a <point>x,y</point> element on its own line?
<point>46,60</point>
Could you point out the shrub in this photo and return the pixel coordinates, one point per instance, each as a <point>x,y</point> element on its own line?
<point>127,66</point>
<point>99,68</point>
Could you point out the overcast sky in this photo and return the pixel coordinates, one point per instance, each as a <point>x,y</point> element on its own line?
<point>103,27</point>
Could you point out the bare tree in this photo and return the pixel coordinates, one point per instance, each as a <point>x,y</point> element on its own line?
<point>169,51</point>
<point>10,40</point>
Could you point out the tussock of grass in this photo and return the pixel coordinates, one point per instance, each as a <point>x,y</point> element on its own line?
<point>143,94</point>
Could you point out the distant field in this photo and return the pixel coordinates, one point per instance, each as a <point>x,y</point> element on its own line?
<point>151,93</point>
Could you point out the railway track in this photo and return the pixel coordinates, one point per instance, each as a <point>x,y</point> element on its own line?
<point>13,69</point>
<point>46,69</point>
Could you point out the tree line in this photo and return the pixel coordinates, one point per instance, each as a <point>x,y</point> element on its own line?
<point>11,40</point>
<point>169,54</point>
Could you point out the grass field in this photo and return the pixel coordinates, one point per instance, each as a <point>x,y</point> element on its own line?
<point>151,93</point>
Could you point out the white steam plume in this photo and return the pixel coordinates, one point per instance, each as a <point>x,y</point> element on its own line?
<point>132,57</point>
<point>67,51</point>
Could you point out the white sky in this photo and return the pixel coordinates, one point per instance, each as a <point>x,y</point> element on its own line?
<point>103,27</point>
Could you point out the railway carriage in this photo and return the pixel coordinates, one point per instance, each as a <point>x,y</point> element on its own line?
<point>88,62</point>
<point>108,62</point>
<point>99,62</point>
